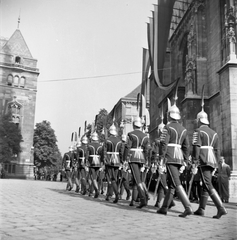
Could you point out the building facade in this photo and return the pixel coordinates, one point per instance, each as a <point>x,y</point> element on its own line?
<point>18,88</point>
<point>202,51</point>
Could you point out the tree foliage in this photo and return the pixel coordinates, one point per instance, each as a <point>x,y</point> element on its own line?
<point>103,122</point>
<point>46,152</point>
<point>10,138</point>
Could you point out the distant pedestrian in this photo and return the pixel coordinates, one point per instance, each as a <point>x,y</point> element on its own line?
<point>223,179</point>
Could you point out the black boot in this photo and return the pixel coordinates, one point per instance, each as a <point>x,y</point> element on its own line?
<point>146,191</point>
<point>141,191</point>
<point>134,195</point>
<point>217,201</point>
<point>185,201</point>
<point>202,204</point>
<point>172,204</point>
<point>115,188</point>
<point>97,193</point>
<point>166,203</point>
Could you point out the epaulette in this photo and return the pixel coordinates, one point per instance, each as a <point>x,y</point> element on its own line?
<point>163,134</point>
<point>195,138</point>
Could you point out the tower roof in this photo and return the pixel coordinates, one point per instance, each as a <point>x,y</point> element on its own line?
<point>17,45</point>
<point>133,93</point>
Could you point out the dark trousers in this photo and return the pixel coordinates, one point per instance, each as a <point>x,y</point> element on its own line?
<point>206,176</point>
<point>136,173</point>
<point>173,179</point>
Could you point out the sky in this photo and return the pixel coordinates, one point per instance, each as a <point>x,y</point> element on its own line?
<point>89,55</point>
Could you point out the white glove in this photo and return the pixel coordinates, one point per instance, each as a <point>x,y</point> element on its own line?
<point>161,169</point>
<point>129,170</point>
<point>182,169</point>
<point>194,170</point>
<point>142,169</point>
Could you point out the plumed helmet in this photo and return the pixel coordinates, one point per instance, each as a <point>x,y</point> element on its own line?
<point>78,144</point>
<point>137,122</point>
<point>202,116</point>
<point>71,148</point>
<point>113,130</point>
<point>84,139</point>
<point>94,136</point>
<point>173,111</point>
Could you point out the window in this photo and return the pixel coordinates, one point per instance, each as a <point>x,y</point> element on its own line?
<point>14,168</point>
<point>22,82</point>
<point>16,81</point>
<point>17,60</point>
<point>9,80</point>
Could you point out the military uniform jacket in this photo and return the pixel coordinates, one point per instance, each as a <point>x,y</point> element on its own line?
<point>94,153</point>
<point>138,147</point>
<point>68,159</point>
<point>206,146</point>
<point>174,144</point>
<point>81,156</point>
<point>113,151</point>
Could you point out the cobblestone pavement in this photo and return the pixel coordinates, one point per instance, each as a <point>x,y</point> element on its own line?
<point>40,210</point>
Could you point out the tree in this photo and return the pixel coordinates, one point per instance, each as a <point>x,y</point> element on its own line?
<point>46,152</point>
<point>10,138</point>
<point>103,119</point>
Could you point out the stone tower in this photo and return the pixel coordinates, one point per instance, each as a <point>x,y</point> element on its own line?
<point>18,88</point>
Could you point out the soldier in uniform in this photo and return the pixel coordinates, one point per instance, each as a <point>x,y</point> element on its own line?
<point>206,155</point>
<point>94,154</point>
<point>173,152</point>
<point>68,158</point>
<point>124,170</point>
<point>112,159</point>
<point>138,147</point>
<point>81,154</point>
<point>76,173</point>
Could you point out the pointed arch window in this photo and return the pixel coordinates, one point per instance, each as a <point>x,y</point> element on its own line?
<point>22,82</point>
<point>17,60</point>
<point>16,81</point>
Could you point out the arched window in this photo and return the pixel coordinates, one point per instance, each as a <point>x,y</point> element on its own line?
<point>17,60</point>
<point>9,80</point>
<point>22,82</point>
<point>16,81</point>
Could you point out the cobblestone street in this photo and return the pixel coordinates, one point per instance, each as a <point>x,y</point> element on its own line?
<point>44,210</point>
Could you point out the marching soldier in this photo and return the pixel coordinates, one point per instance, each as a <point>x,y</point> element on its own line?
<point>112,159</point>
<point>76,173</point>
<point>137,149</point>
<point>124,170</point>
<point>206,155</point>
<point>81,153</point>
<point>173,152</point>
<point>67,167</point>
<point>94,153</point>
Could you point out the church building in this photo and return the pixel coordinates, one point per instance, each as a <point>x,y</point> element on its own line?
<point>18,88</point>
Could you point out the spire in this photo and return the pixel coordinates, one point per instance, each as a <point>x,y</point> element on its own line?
<point>19,20</point>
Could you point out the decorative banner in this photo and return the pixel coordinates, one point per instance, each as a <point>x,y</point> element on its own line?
<point>161,23</point>
<point>145,70</point>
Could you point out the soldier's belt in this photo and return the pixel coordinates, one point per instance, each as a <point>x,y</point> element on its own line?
<point>174,145</point>
<point>207,147</point>
<point>94,155</point>
<point>81,157</point>
<point>113,153</point>
<point>136,149</point>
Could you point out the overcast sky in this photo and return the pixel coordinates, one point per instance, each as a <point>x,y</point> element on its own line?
<point>89,55</point>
